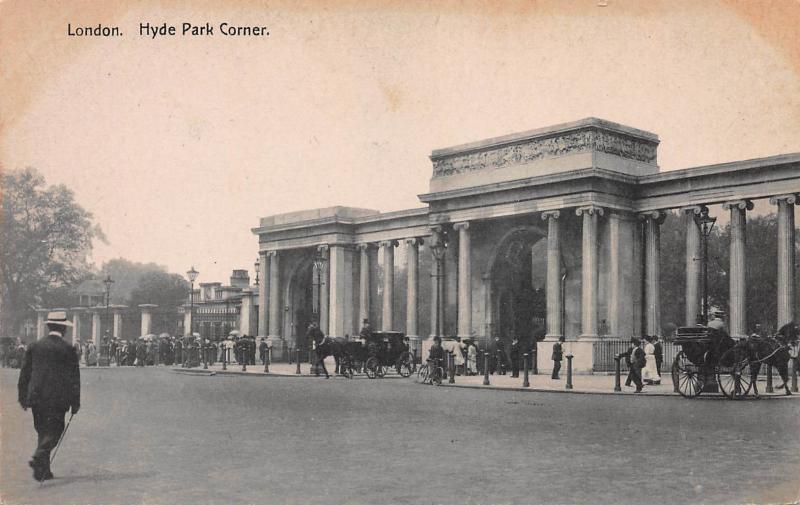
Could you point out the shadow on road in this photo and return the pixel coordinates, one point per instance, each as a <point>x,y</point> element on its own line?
<point>98,477</point>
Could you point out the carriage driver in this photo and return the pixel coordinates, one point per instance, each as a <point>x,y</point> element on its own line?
<point>365,333</point>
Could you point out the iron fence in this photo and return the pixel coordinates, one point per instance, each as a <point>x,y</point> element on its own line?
<point>605,350</point>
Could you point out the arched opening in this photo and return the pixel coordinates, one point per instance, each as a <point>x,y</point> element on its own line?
<point>517,282</point>
<point>300,303</point>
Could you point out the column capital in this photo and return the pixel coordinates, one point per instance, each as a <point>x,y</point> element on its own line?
<point>415,241</point>
<point>270,254</point>
<point>655,215</point>
<point>118,308</point>
<point>323,249</point>
<point>463,225</point>
<point>77,309</point>
<point>388,243</point>
<point>551,214</point>
<point>147,306</point>
<point>741,204</point>
<point>590,210</point>
<point>693,209</point>
<point>791,199</point>
<point>364,246</point>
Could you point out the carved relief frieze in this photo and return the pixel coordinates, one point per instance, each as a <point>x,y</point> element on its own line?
<point>537,148</point>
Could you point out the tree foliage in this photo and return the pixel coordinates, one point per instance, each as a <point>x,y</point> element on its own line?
<point>160,288</point>
<point>46,238</point>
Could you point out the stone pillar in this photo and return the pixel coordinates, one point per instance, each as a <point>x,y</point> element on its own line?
<point>555,300</point>
<point>694,264</point>
<point>589,272</point>
<point>786,257</point>
<point>41,332</point>
<point>147,318</point>
<point>412,269</point>
<point>464,280</point>
<point>363,283</point>
<point>340,306</point>
<point>652,260</point>
<point>117,328</point>
<point>387,246</point>
<point>274,297</point>
<point>264,286</point>
<point>187,319</point>
<point>76,324</point>
<point>246,312</point>
<point>614,275</point>
<point>737,320</point>
<point>96,326</point>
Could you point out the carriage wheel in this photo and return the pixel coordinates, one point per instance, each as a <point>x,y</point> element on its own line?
<point>687,376</point>
<point>405,364</point>
<point>733,373</point>
<point>436,378</point>
<point>372,367</point>
<point>346,368</point>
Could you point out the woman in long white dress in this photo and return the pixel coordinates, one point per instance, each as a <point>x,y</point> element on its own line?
<point>472,359</point>
<point>650,372</point>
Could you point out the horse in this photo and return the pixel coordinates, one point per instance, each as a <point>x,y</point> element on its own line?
<point>344,352</point>
<point>772,351</point>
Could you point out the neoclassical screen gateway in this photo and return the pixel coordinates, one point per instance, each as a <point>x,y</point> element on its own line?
<point>542,233</point>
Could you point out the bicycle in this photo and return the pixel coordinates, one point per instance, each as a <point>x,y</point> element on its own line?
<point>427,377</point>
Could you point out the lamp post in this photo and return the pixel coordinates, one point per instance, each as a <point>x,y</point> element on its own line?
<point>438,247</point>
<point>192,275</point>
<point>706,224</point>
<point>102,347</point>
<point>319,264</point>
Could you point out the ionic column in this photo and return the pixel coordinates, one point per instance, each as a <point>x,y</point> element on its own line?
<point>555,302</point>
<point>652,259</point>
<point>117,328</point>
<point>590,215</point>
<point>464,280</point>
<point>412,268</point>
<point>263,294</point>
<point>693,264</point>
<point>274,301</point>
<point>786,256</point>
<point>614,274</point>
<point>40,326</point>
<point>147,317</point>
<point>76,324</point>
<point>387,246</point>
<point>340,289</point>
<point>363,283</point>
<point>324,293</point>
<point>737,325</point>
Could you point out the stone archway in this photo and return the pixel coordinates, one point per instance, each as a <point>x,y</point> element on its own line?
<point>516,279</point>
<point>298,300</point>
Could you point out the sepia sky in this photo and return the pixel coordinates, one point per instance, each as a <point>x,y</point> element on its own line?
<point>178,145</point>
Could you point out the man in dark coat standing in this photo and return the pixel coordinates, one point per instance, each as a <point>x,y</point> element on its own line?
<point>558,355</point>
<point>50,384</point>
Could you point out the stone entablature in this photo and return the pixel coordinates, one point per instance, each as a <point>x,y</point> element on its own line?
<point>588,143</point>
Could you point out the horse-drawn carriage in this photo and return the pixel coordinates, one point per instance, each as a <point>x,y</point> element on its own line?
<point>381,351</point>
<point>708,353</point>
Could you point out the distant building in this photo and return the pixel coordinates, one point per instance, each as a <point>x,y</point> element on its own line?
<point>220,309</point>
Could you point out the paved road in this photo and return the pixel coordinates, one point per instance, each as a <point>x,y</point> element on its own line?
<point>154,436</point>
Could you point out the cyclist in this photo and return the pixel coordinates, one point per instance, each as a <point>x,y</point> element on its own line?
<point>435,357</point>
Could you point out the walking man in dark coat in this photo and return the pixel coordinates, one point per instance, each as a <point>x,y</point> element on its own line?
<point>658,353</point>
<point>558,355</point>
<point>514,355</point>
<point>50,384</point>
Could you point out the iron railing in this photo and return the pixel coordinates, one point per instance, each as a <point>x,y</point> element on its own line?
<point>605,350</point>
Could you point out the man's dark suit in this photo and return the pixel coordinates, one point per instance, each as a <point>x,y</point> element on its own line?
<point>50,384</point>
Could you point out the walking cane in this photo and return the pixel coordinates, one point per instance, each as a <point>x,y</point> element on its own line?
<point>55,451</point>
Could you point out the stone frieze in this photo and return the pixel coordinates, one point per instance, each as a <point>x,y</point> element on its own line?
<point>537,148</point>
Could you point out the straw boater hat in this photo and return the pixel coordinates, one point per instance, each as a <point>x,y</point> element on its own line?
<point>56,319</point>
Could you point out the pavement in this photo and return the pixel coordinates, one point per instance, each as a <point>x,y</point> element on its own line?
<point>581,384</point>
<point>153,436</point>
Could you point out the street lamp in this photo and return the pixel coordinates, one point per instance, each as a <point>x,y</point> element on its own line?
<point>102,359</point>
<point>192,275</point>
<point>706,224</point>
<point>257,264</point>
<point>319,264</point>
<point>438,248</point>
